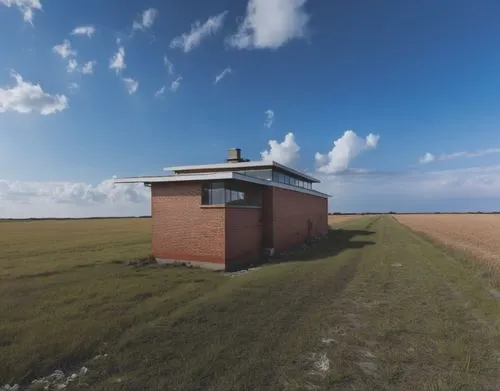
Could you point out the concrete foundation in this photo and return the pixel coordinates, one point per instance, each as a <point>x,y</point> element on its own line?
<point>185,262</point>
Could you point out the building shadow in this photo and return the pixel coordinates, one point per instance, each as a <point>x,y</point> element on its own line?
<point>336,241</point>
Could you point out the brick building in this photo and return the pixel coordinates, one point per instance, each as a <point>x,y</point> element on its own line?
<point>226,215</point>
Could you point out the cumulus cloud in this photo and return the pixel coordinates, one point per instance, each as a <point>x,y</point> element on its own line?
<point>429,157</point>
<point>286,152</point>
<point>344,151</point>
<point>168,65</point>
<point>72,199</point>
<point>88,67</point>
<point>72,66</point>
<point>269,24</point>
<point>64,49</point>
<point>131,84</point>
<point>24,97</point>
<point>269,118</point>
<point>160,92</point>
<point>146,20</point>
<point>117,62</point>
<point>84,30</point>
<point>25,6</point>
<point>198,32</point>
<point>176,84</point>
<point>223,74</point>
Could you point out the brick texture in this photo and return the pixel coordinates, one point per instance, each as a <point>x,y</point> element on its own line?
<point>243,235</point>
<point>295,216</point>
<point>181,228</point>
<point>231,236</point>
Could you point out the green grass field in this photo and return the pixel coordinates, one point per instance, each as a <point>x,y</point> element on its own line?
<point>374,307</point>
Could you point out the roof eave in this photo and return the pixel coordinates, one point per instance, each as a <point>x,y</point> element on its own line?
<point>260,164</point>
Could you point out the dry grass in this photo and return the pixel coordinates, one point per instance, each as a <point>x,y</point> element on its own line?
<point>46,245</point>
<point>339,219</point>
<point>477,235</point>
<point>374,307</point>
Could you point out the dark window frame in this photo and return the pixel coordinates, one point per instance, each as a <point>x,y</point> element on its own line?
<point>232,193</point>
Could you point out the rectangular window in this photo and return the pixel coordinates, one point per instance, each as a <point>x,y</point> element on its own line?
<point>290,180</point>
<point>261,174</point>
<point>230,193</point>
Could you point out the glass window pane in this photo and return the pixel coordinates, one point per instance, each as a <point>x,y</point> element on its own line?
<point>217,196</point>
<point>205,194</point>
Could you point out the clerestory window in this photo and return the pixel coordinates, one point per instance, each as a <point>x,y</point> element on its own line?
<point>230,193</point>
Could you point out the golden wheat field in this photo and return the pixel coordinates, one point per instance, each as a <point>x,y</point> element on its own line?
<point>474,234</point>
<point>337,219</point>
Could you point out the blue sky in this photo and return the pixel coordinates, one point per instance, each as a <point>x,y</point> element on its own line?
<point>408,91</point>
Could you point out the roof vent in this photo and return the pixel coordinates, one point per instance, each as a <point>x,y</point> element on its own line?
<point>234,156</point>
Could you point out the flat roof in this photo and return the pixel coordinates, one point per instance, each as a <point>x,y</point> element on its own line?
<point>239,165</point>
<point>217,176</point>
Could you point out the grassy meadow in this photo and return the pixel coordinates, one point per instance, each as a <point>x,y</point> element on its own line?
<point>373,307</point>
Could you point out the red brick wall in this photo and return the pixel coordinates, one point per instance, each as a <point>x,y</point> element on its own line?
<point>292,212</point>
<point>181,228</point>
<point>243,235</point>
<point>268,217</point>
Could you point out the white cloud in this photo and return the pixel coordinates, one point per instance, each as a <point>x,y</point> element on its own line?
<point>286,152</point>
<point>88,67</point>
<point>269,118</point>
<point>223,74</point>
<point>24,97</point>
<point>471,189</point>
<point>198,32</point>
<point>72,66</point>
<point>117,62</point>
<point>72,199</point>
<point>64,49</point>
<point>269,24</point>
<point>429,157</point>
<point>160,92</point>
<point>73,87</point>
<point>84,30</point>
<point>344,151</point>
<point>146,21</point>
<point>131,84</point>
<point>25,6</point>
<point>176,84</point>
<point>168,65</point>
